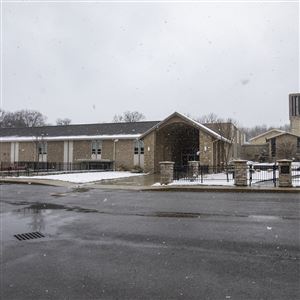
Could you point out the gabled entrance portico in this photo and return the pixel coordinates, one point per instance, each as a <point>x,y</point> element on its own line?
<point>177,142</point>
<point>181,139</point>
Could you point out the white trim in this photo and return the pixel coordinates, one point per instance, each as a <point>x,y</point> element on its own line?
<point>266,132</point>
<point>283,133</point>
<point>43,158</point>
<point>14,152</point>
<point>70,151</point>
<point>68,138</point>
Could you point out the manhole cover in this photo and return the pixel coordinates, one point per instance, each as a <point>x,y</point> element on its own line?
<point>29,236</point>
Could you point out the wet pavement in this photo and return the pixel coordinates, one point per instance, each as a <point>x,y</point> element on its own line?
<point>110,244</point>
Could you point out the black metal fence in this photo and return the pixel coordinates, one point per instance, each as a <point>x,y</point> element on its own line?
<point>267,174</point>
<point>257,174</point>
<point>203,174</point>
<point>263,174</point>
<point>35,168</point>
<point>296,175</point>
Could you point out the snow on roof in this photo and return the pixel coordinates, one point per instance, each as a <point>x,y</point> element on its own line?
<point>68,138</point>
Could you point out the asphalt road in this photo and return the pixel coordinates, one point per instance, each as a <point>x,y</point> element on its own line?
<point>109,244</point>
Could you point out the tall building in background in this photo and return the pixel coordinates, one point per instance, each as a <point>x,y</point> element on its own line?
<point>294,105</point>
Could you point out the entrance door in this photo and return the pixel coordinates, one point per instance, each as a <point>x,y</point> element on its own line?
<point>186,157</point>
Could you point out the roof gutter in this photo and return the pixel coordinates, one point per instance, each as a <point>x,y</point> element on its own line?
<point>69,138</point>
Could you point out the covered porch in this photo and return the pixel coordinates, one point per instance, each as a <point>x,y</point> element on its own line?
<point>180,139</point>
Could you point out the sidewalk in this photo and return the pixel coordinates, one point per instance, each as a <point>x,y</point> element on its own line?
<point>144,183</point>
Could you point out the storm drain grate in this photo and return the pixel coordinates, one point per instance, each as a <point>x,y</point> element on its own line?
<point>29,236</point>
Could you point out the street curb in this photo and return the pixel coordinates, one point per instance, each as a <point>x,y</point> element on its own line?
<point>223,189</point>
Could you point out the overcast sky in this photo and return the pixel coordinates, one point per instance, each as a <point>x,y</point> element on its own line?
<point>90,61</point>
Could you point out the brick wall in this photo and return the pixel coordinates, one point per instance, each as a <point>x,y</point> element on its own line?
<point>163,148</point>
<point>254,152</point>
<point>5,152</point>
<point>205,148</point>
<point>107,149</point>
<point>81,150</point>
<point>295,125</point>
<point>27,151</point>
<point>149,157</point>
<point>55,151</point>
<point>124,154</point>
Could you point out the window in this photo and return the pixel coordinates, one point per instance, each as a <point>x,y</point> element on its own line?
<point>141,147</point>
<point>298,143</point>
<point>42,148</point>
<point>96,147</point>
<point>295,105</point>
<point>138,147</point>
<point>273,147</point>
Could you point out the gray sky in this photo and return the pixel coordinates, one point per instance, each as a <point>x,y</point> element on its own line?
<point>89,61</point>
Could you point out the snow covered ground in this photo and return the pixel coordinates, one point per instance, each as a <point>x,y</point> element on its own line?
<point>85,177</point>
<point>208,179</point>
<point>219,179</point>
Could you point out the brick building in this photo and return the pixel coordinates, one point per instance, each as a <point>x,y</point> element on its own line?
<point>119,145</point>
<point>277,144</point>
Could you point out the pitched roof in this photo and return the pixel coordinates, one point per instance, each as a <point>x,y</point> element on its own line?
<point>63,132</point>
<point>283,133</point>
<point>129,130</point>
<point>192,122</point>
<point>266,133</point>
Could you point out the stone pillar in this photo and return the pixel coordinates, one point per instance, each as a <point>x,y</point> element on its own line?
<point>240,172</point>
<point>193,169</point>
<point>285,172</point>
<point>166,172</point>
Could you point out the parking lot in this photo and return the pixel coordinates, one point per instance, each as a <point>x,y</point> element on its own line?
<point>114,244</point>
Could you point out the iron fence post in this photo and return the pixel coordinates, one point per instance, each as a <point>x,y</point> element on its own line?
<point>201,172</point>
<point>274,175</point>
<point>250,174</point>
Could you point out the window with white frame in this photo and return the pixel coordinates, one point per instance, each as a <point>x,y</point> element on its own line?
<point>96,148</point>
<point>141,147</point>
<point>138,147</point>
<point>42,147</point>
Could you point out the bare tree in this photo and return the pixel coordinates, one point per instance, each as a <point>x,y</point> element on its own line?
<point>209,118</point>
<point>31,118</point>
<point>2,115</point>
<point>129,116</point>
<point>65,121</point>
<point>251,132</point>
<point>22,118</point>
<point>286,149</point>
<point>9,119</point>
<point>227,129</point>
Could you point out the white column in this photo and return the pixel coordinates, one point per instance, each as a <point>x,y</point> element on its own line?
<point>68,151</point>
<point>14,152</point>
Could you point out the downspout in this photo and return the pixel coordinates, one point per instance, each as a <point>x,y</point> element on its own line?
<point>114,153</point>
